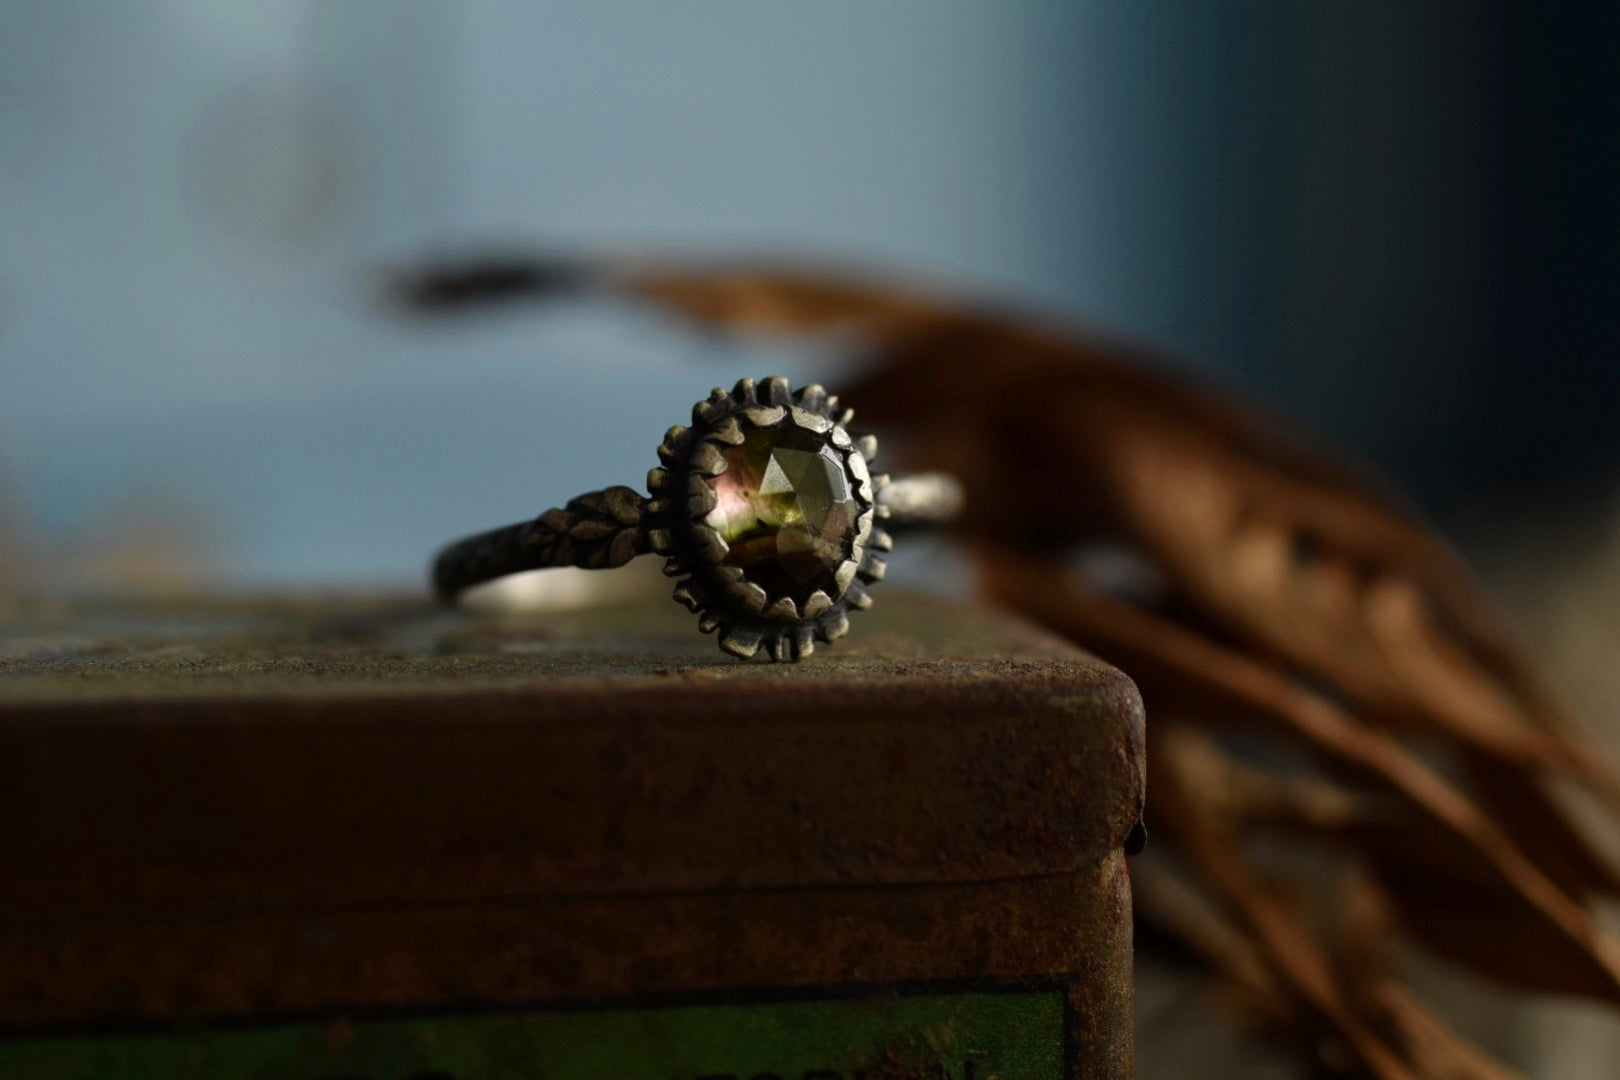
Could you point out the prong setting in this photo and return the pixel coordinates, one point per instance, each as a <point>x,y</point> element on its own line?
<point>750,619</point>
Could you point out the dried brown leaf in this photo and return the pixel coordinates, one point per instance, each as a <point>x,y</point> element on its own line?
<point>1365,931</point>
<point>1283,546</point>
<point>1303,600</point>
<point>1169,903</point>
<point>1181,671</point>
<point>1447,895</point>
<point>1517,802</point>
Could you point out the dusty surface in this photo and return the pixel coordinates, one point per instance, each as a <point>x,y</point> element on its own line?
<point>255,808</point>
<point>61,651</point>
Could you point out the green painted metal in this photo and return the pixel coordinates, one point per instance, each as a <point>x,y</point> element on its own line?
<point>960,1036</point>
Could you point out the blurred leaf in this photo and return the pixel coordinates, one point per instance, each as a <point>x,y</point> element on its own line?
<point>1301,603</point>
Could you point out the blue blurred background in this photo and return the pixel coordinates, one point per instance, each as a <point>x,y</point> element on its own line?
<point>1396,221</point>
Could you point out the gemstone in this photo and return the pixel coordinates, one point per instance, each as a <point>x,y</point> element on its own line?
<point>785,509</point>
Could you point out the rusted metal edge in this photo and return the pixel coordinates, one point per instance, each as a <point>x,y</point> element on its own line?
<point>566,790</point>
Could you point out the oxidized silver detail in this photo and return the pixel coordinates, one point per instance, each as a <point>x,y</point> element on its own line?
<point>610,527</point>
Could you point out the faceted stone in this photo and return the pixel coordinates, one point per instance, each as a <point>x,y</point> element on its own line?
<point>785,508</point>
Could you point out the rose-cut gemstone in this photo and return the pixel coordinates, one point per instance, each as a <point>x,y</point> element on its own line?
<point>785,509</point>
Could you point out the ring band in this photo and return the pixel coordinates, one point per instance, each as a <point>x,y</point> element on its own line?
<point>764,508</point>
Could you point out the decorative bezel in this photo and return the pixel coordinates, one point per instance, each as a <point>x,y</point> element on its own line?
<point>750,621</point>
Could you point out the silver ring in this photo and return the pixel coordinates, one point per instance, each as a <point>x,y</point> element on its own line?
<point>764,509</point>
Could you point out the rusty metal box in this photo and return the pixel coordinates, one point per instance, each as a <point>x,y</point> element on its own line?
<point>356,839</point>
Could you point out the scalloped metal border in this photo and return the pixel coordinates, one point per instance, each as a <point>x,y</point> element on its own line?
<point>748,620</point>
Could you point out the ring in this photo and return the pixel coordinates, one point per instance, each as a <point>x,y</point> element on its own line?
<point>764,509</point>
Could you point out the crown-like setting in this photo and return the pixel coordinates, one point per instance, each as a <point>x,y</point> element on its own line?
<point>766,511</point>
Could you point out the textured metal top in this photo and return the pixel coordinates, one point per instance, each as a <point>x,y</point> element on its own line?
<point>330,751</point>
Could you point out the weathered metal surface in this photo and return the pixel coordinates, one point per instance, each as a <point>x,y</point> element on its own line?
<point>255,810</point>
<point>273,961</point>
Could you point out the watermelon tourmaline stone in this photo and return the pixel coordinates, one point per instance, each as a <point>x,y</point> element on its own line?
<point>785,509</point>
